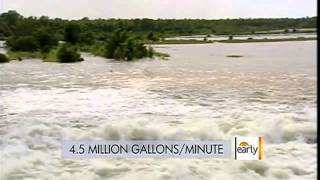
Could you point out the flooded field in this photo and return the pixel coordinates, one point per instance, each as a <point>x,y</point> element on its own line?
<point>199,93</point>
<point>244,37</point>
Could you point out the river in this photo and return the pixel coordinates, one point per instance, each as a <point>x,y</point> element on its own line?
<point>199,93</point>
<point>245,37</point>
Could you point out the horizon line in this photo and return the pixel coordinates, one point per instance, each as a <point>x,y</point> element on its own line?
<point>134,18</point>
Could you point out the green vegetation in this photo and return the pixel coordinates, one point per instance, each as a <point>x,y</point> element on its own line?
<point>121,46</point>
<point>63,54</point>
<point>45,40</point>
<point>72,33</point>
<point>97,49</point>
<point>38,38</point>
<point>40,41</point>
<point>4,58</point>
<point>23,43</point>
<point>77,30</point>
<point>33,37</point>
<point>18,55</point>
<point>234,56</point>
<point>151,28</point>
<point>68,54</point>
<point>152,37</point>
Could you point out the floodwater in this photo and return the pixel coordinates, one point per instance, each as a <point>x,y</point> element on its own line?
<point>198,94</point>
<point>244,37</point>
<point>2,50</point>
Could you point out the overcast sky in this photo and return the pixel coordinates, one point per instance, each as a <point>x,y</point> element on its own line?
<point>207,9</point>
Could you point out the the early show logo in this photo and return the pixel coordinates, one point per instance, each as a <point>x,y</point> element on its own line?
<point>248,148</point>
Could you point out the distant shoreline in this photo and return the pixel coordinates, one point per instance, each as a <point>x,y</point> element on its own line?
<point>192,41</point>
<point>266,40</point>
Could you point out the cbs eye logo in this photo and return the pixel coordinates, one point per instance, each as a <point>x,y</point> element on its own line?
<point>248,148</point>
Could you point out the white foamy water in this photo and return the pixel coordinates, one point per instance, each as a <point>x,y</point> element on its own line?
<point>198,94</point>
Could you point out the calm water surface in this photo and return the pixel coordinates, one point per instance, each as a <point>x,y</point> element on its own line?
<point>253,36</point>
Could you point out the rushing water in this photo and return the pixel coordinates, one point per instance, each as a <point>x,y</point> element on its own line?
<point>198,93</point>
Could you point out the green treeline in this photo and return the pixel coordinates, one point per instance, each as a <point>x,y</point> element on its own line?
<point>11,22</point>
<point>122,38</point>
<point>37,38</point>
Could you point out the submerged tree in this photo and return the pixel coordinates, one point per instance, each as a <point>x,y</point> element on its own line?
<point>114,43</point>
<point>68,54</point>
<point>125,47</point>
<point>3,58</point>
